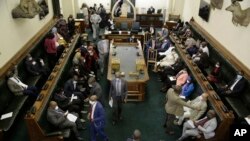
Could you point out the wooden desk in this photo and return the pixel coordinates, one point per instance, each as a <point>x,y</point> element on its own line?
<point>127,53</point>
<point>170,24</point>
<point>122,37</point>
<point>226,118</point>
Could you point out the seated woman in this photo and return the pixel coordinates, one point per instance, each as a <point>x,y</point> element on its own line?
<point>214,76</point>
<point>187,89</point>
<point>180,79</point>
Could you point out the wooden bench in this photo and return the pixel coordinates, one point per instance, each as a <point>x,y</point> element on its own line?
<point>241,104</point>
<point>8,101</point>
<point>38,126</point>
<point>225,116</point>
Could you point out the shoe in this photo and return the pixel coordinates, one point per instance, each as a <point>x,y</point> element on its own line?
<point>84,112</point>
<point>79,139</point>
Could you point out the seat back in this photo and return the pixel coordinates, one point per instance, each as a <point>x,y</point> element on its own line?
<point>124,26</point>
<point>151,57</point>
<point>172,17</point>
<point>136,26</point>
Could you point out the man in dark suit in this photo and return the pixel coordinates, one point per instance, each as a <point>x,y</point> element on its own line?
<point>132,39</point>
<point>118,92</point>
<point>234,87</point>
<point>71,87</point>
<point>96,89</point>
<point>151,10</point>
<point>97,119</point>
<point>35,67</point>
<point>58,118</point>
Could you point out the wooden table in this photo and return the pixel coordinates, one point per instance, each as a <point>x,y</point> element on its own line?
<point>127,54</point>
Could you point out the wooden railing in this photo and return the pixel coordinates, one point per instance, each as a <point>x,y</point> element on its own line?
<point>32,118</point>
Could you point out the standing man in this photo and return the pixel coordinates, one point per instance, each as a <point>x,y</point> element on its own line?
<point>96,89</point>
<point>97,119</point>
<point>118,92</point>
<point>174,107</point>
<point>103,49</point>
<point>95,20</point>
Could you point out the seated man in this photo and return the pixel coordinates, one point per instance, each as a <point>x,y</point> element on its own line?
<point>204,47</point>
<point>172,70</point>
<point>187,88</point>
<point>136,136</point>
<point>215,74</point>
<point>151,10</point>
<point>163,33</point>
<point>71,87</point>
<point>132,39</point>
<point>164,46</point>
<point>62,120</point>
<point>35,67</point>
<point>234,87</point>
<point>17,87</point>
<point>72,104</point>
<point>168,60</point>
<point>206,126</point>
<point>199,101</point>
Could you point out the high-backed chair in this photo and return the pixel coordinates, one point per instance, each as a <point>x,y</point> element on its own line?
<point>151,57</point>
<point>124,26</point>
<point>136,26</point>
<point>172,17</point>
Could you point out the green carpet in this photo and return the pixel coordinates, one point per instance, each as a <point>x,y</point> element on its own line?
<point>147,116</point>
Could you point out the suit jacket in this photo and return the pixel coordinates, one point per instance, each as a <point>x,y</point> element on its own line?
<point>124,89</point>
<point>99,115</point>
<point>95,19</point>
<point>69,88</point>
<point>175,104</point>
<point>132,40</point>
<point>208,128</point>
<point>239,87</point>
<point>97,90</point>
<point>14,87</point>
<point>194,114</point>
<point>56,117</point>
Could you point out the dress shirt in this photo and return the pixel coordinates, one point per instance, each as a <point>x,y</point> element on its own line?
<point>118,87</point>
<point>92,111</point>
<point>235,82</point>
<point>19,82</point>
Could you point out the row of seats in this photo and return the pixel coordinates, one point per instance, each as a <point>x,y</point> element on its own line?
<point>240,104</point>
<point>225,117</point>
<point>11,103</point>
<point>38,126</point>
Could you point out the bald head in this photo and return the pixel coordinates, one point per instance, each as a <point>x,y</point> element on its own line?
<point>137,135</point>
<point>211,114</point>
<point>117,74</point>
<point>52,104</point>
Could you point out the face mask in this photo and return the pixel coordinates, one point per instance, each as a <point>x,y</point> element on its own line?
<point>188,81</point>
<point>200,98</point>
<point>91,102</point>
<point>34,62</point>
<point>90,85</point>
<point>217,65</point>
<point>56,108</point>
<point>30,58</point>
<point>76,69</point>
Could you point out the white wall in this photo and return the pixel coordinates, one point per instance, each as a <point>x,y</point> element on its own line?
<point>15,33</point>
<point>235,39</point>
<point>90,3</point>
<point>67,8</point>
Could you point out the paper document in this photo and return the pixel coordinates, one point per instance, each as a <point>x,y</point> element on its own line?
<point>183,97</point>
<point>248,120</point>
<point>7,115</point>
<point>191,123</point>
<point>71,117</point>
<point>111,102</point>
<point>73,97</point>
<point>172,78</point>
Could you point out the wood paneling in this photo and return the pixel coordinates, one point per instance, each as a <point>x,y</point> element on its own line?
<point>20,55</point>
